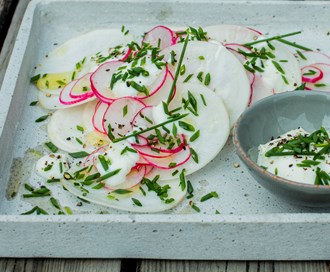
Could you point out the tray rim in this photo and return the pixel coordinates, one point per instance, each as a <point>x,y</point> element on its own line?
<point>12,70</point>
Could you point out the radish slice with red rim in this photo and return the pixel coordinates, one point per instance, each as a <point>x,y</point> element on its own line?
<point>169,162</point>
<point>66,99</point>
<point>120,114</point>
<point>311,74</point>
<point>160,36</point>
<point>322,84</point>
<point>82,87</point>
<point>98,116</point>
<point>100,80</point>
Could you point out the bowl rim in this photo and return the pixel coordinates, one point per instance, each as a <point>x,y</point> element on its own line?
<point>245,157</point>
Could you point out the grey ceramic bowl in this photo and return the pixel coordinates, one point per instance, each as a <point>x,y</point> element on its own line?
<point>274,116</point>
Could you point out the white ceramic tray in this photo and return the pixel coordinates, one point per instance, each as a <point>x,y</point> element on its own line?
<point>253,224</point>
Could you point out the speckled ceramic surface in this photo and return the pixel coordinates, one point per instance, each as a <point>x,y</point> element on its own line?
<point>251,217</point>
<point>274,116</point>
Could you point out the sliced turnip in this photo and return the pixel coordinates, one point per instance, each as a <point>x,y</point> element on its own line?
<point>232,33</point>
<point>213,126</point>
<point>149,203</point>
<point>213,65</point>
<point>64,132</point>
<point>281,73</point>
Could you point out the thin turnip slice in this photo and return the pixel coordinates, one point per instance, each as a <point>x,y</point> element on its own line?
<point>227,76</point>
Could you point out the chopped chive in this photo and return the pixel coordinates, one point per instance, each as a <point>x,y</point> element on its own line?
<point>182,178</point>
<point>42,118</point>
<point>98,186</point>
<point>172,164</point>
<point>109,175</point>
<point>272,38</point>
<point>103,162</point>
<point>195,136</point>
<point>124,110</point>
<point>136,202</point>
<point>174,130</point>
<point>165,108</point>
<point>200,76</point>
<point>61,167</point>
<point>141,89</point>
<point>301,55</point>
<point>207,79</point>
<point>203,99</point>
<point>51,146</point>
<point>175,172</point>
<point>55,203</point>
<point>278,67</point>
<point>188,78</point>
<point>92,177</point>
<point>173,60</point>
<point>48,167</point>
<point>293,44</point>
<point>28,187</point>
<point>68,210</point>
<point>217,212</point>
<point>160,136</point>
<point>195,207</point>
<point>33,103</point>
<point>186,126</point>
<point>178,69</point>
<point>209,196</point>
<point>127,149</point>
<point>79,141</point>
<point>320,85</point>
<point>201,58</point>
<point>194,155</point>
<point>53,180</point>
<point>110,135</point>
<point>182,69</point>
<point>285,80</point>
<point>121,192</point>
<point>169,200</point>
<point>80,128</point>
<point>190,188</point>
<point>78,155</point>
<point>35,78</point>
<point>142,191</point>
<point>276,171</point>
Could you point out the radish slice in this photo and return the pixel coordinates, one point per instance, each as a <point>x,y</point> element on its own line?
<point>151,203</point>
<point>169,161</point>
<point>98,116</point>
<point>101,79</point>
<point>143,118</point>
<point>82,88</point>
<point>63,132</point>
<point>311,74</point>
<point>213,126</point>
<point>66,99</point>
<point>232,33</point>
<point>160,36</point>
<point>227,76</point>
<point>312,57</point>
<point>120,115</point>
<point>323,84</point>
